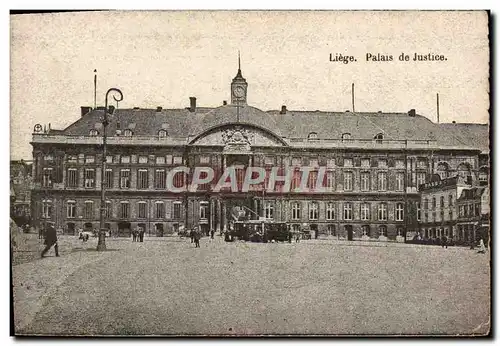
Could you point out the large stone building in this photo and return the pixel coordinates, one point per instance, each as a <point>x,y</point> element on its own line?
<point>374,161</point>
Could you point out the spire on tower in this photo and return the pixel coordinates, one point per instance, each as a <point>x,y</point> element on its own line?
<point>239,62</point>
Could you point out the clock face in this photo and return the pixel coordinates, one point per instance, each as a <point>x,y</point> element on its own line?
<point>239,91</point>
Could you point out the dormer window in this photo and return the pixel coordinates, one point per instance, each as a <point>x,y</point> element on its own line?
<point>379,137</point>
<point>346,136</point>
<point>162,133</point>
<point>93,133</point>
<point>127,133</point>
<point>312,136</point>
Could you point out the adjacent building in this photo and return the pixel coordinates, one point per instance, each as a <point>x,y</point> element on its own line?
<point>20,191</point>
<point>375,163</point>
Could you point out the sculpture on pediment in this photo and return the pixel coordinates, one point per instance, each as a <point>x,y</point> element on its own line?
<point>236,136</point>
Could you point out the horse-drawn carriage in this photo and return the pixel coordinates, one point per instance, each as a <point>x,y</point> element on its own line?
<point>260,231</point>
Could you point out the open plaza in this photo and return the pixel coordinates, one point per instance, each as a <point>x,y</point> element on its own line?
<point>324,286</point>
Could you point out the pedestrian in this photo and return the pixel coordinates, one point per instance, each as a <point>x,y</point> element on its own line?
<point>40,233</point>
<point>212,232</point>
<point>197,236</point>
<point>141,234</point>
<point>444,242</point>
<point>482,248</point>
<point>134,235</point>
<point>191,234</point>
<point>50,240</point>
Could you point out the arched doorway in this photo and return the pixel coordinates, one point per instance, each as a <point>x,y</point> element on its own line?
<point>159,229</point>
<point>349,231</point>
<point>314,230</point>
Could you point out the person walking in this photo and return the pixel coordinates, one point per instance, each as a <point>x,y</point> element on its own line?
<point>134,235</point>
<point>141,235</point>
<point>197,236</point>
<point>191,234</point>
<point>50,240</point>
<point>40,233</point>
<point>212,232</point>
<point>482,248</point>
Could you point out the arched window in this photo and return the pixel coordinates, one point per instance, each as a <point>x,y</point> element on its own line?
<point>443,170</point>
<point>379,137</point>
<point>162,133</point>
<point>128,133</point>
<point>312,136</point>
<point>463,170</point>
<point>346,136</point>
<point>93,133</point>
<point>382,231</point>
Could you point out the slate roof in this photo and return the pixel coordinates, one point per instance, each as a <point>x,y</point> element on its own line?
<point>472,193</point>
<point>181,123</point>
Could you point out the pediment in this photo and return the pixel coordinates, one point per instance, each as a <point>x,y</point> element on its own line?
<point>238,136</point>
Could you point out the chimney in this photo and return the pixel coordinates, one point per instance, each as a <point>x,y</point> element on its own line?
<point>411,112</point>
<point>283,109</point>
<point>192,104</point>
<point>158,109</point>
<point>224,103</point>
<point>111,109</point>
<point>85,110</point>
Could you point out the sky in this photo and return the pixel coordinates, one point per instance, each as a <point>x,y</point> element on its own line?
<point>162,58</point>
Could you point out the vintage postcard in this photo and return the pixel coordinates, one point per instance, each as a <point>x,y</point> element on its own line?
<point>241,173</point>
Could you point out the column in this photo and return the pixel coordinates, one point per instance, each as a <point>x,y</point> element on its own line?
<point>218,217</point>
<point>224,216</point>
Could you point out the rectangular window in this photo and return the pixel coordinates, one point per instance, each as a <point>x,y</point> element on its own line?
<point>347,211</point>
<point>109,159</point>
<point>347,162</point>
<point>107,210</point>
<point>419,211</point>
<point>313,162</point>
<point>382,212</point>
<point>142,179</point>
<point>399,163</point>
<point>108,179</point>
<point>125,159</point>
<point>90,178</point>
<point>89,210</point>
<point>347,181</point>
<point>420,178</point>
<point>160,179</point>
<point>421,164</point>
<point>295,211</point>
<point>47,177</point>
<point>124,178</point>
<point>330,181</point>
<point>365,181</point>
<point>177,210</point>
<point>89,159</point>
<point>399,212</point>
<point>311,180</point>
<point>450,200</point>
<point>72,178</point>
<point>159,210</point>
<point>142,211</point>
<point>365,163</point>
<point>313,211</point>
<point>296,161</point>
<point>382,163</point>
<point>365,211</point>
<point>269,210</point>
<point>160,160</point>
<point>205,159</point>
<point>441,202</point>
<point>330,162</point>
<point>400,181</point>
<point>72,159</point>
<point>203,210</point>
<point>46,209</point>
<point>330,211</point>
<point>143,159</point>
<point>177,160</point>
<point>382,181</point>
<point>71,209</point>
<point>168,159</point>
<point>124,210</point>
<point>268,160</point>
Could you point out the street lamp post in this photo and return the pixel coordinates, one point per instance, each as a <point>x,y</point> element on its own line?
<point>101,244</point>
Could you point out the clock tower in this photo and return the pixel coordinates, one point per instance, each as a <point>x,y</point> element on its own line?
<point>239,87</point>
